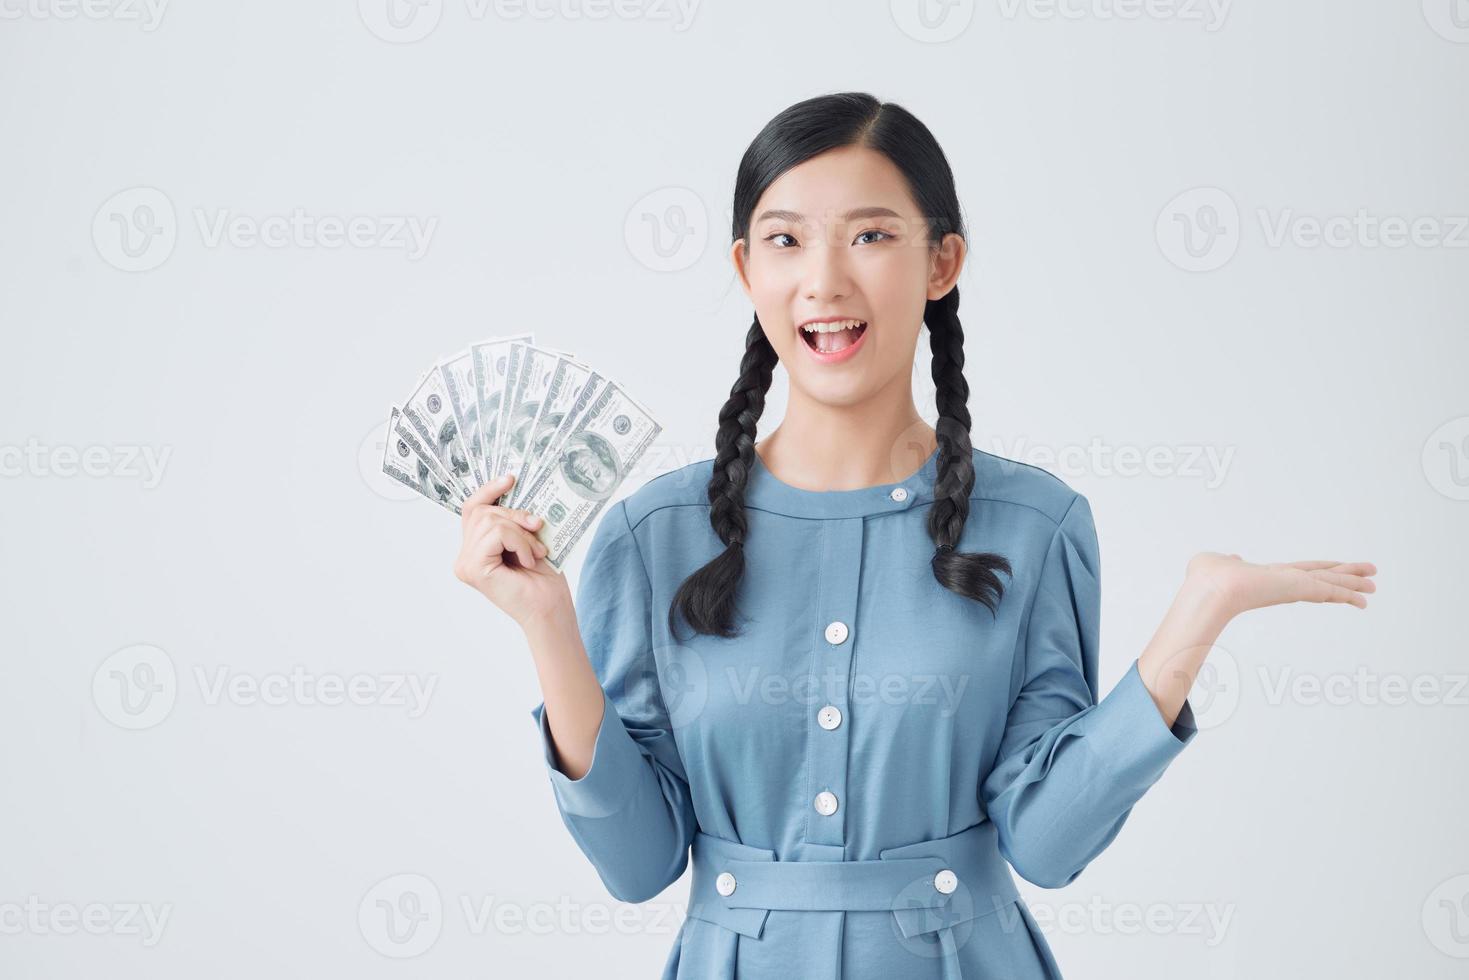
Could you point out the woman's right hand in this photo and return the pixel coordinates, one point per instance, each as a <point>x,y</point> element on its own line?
<point>501,557</point>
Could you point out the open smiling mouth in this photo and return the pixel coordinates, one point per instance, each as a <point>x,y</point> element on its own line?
<point>833,337</point>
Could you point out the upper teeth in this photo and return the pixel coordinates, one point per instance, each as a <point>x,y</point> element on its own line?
<point>832,327</point>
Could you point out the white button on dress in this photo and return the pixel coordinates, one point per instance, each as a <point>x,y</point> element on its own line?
<point>826,803</point>
<point>725,884</point>
<point>946,881</point>
<point>836,632</point>
<point>899,494</point>
<point>829,717</point>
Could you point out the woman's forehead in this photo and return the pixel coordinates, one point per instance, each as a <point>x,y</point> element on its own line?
<point>828,186</point>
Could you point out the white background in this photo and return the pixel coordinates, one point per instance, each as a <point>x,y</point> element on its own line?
<point>576,168</point>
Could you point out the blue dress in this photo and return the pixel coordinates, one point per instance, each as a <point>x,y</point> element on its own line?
<point>850,777</point>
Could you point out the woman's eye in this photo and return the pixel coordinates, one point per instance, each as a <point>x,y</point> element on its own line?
<point>781,234</point>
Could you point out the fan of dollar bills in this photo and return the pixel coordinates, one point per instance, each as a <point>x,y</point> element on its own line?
<point>568,433</point>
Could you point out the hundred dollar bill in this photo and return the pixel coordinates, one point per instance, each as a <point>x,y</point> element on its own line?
<point>591,463</point>
<point>458,372</point>
<point>514,359</point>
<point>429,412</point>
<point>583,392</point>
<point>402,430</point>
<point>490,359</point>
<point>527,378</point>
<point>568,379</point>
<point>404,464</point>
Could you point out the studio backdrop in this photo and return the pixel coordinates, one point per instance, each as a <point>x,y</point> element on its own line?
<point>251,725</point>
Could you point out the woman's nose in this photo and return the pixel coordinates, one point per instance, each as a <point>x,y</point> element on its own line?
<point>826,276</point>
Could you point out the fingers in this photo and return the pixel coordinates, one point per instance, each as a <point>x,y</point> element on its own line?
<point>1357,582</point>
<point>1349,568</point>
<point>502,536</point>
<point>482,501</point>
<point>1321,588</point>
<point>524,518</point>
<point>1335,581</point>
<point>482,497</point>
<point>1339,594</point>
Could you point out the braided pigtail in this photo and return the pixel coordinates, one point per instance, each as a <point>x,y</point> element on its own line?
<point>971,574</point>
<point>706,598</point>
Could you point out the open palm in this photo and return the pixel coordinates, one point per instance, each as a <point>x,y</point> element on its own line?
<point>1244,585</point>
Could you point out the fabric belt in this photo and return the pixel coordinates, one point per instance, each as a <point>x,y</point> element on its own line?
<point>931,887</point>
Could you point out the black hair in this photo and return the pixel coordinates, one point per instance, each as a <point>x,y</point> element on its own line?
<point>800,132</point>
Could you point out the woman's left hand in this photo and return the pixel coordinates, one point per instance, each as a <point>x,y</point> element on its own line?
<point>1240,585</point>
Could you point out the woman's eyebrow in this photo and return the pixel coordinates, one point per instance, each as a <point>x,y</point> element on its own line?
<point>856,214</point>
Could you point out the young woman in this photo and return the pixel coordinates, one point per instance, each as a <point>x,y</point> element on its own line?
<point>852,668</point>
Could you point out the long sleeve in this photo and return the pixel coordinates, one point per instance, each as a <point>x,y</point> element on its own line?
<point>630,813</point>
<point>1070,768</point>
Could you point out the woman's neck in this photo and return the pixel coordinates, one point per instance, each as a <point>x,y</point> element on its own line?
<point>832,447</point>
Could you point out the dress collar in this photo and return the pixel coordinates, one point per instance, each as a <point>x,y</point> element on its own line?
<point>765,492</point>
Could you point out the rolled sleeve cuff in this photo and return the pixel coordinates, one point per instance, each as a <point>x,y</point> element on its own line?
<point>1127,732</point>
<point>616,765</point>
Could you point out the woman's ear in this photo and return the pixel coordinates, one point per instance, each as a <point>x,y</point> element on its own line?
<point>738,257</point>
<point>945,264</point>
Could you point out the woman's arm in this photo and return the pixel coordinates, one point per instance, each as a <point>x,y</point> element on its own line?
<point>1070,767</point>
<point>1218,587</point>
<point>498,559</point>
<point>573,698</point>
<point>612,761</point>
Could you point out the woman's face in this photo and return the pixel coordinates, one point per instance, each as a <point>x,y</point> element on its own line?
<point>840,236</point>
